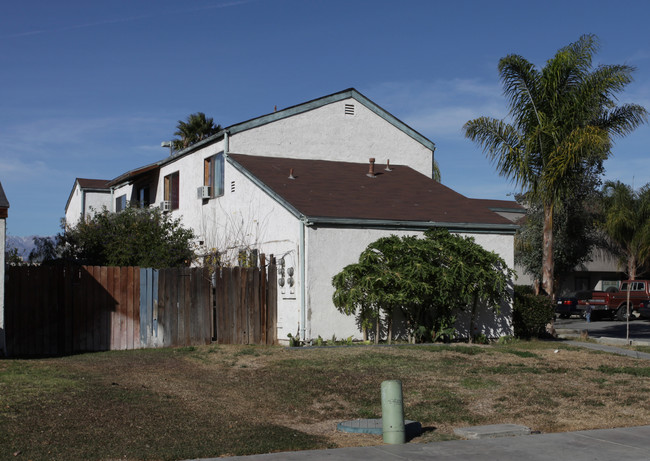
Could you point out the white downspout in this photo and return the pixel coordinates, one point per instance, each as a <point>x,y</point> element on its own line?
<point>303,259</point>
<point>83,204</point>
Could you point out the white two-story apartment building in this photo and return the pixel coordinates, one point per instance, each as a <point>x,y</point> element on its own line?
<point>313,185</point>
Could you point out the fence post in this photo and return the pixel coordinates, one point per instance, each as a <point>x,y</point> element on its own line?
<point>263,304</point>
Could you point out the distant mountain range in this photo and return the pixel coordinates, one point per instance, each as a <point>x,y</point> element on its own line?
<point>24,245</point>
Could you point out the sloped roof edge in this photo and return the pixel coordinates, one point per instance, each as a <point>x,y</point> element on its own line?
<point>288,112</point>
<point>134,173</point>
<point>392,224</point>
<point>91,185</point>
<point>501,205</point>
<point>323,101</point>
<point>4,203</point>
<point>270,192</point>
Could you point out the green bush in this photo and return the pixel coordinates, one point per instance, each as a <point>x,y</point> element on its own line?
<point>531,313</point>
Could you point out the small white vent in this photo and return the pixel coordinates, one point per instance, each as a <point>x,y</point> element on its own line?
<point>232,186</point>
<point>349,109</point>
<point>166,205</point>
<point>204,192</point>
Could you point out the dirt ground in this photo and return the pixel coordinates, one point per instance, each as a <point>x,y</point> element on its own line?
<point>221,400</point>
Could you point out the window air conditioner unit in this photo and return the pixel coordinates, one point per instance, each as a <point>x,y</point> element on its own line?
<point>166,205</point>
<point>204,192</point>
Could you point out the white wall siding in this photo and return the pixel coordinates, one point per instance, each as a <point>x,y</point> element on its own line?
<point>92,201</point>
<point>331,249</point>
<point>96,201</point>
<point>244,217</point>
<point>327,133</point>
<point>190,169</point>
<point>123,189</point>
<point>73,211</point>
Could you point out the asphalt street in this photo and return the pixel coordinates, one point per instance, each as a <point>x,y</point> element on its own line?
<point>639,328</point>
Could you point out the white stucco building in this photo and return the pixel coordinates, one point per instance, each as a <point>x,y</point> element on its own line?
<point>87,197</point>
<point>299,184</point>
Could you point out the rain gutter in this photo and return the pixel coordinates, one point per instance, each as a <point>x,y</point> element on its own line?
<point>412,225</point>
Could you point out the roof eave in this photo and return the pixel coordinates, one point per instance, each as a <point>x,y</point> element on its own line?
<point>132,174</point>
<point>479,228</point>
<point>194,147</point>
<point>508,210</point>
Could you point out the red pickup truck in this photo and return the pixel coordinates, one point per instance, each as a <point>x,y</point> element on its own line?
<point>614,303</point>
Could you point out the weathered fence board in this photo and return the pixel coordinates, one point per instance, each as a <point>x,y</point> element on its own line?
<point>245,305</point>
<point>65,309</point>
<point>52,310</point>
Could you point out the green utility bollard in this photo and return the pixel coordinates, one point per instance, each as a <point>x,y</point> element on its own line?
<point>392,412</point>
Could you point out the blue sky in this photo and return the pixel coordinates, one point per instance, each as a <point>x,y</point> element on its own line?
<point>90,88</point>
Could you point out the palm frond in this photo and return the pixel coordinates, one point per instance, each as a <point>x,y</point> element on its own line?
<point>520,83</point>
<point>623,119</point>
<point>503,145</point>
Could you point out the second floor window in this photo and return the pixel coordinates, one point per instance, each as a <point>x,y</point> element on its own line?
<point>171,192</point>
<point>213,174</point>
<point>143,197</point>
<point>120,203</point>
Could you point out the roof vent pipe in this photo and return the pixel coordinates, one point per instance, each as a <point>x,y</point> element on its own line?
<point>388,165</point>
<point>371,168</point>
<point>291,176</point>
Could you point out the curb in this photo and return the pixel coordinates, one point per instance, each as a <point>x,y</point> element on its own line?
<point>575,335</point>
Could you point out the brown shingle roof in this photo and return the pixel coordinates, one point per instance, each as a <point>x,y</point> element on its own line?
<point>342,190</point>
<point>503,204</point>
<point>93,183</point>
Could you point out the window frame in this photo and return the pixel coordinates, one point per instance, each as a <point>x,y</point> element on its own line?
<point>143,197</point>
<point>213,174</point>
<point>171,191</point>
<point>120,203</point>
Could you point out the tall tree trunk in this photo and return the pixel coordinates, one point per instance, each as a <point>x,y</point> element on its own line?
<point>377,328</point>
<point>547,251</point>
<point>631,267</point>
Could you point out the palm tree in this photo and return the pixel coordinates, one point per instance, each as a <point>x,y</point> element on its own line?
<point>627,223</point>
<point>563,119</point>
<point>197,128</point>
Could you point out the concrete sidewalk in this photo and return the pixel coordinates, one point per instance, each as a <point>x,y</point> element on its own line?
<point>625,444</point>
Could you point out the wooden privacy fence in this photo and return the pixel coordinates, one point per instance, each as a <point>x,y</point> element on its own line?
<point>246,304</point>
<point>54,310</point>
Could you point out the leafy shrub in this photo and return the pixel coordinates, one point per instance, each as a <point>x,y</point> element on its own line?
<point>531,313</point>
<point>507,339</point>
<point>143,237</point>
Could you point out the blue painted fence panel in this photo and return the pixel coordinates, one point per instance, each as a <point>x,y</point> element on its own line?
<point>148,307</point>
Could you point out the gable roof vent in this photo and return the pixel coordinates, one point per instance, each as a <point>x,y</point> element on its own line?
<point>232,186</point>
<point>349,109</point>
